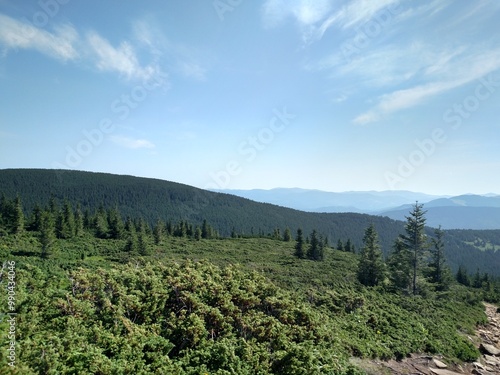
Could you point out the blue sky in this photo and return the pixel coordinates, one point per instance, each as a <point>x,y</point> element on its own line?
<point>324,94</point>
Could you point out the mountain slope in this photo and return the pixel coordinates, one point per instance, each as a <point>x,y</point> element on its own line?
<point>155,199</point>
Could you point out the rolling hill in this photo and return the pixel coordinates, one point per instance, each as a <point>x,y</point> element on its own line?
<point>155,199</point>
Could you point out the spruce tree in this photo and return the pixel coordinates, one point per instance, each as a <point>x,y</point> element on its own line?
<point>462,276</point>
<point>287,235</point>
<point>115,223</point>
<point>79,220</point>
<point>438,272</point>
<point>47,235</point>
<point>197,233</point>
<point>415,241</point>
<point>315,247</point>
<point>17,216</point>
<point>132,241</point>
<point>36,218</point>
<point>206,231</point>
<point>299,245</point>
<point>348,246</point>
<point>371,267</point>
<point>399,264</point>
<point>340,246</point>
<point>158,232</point>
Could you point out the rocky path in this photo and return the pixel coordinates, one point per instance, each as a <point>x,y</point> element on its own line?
<point>488,339</point>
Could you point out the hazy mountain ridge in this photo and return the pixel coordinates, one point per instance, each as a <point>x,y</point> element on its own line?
<point>468,211</point>
<point>369,202</point>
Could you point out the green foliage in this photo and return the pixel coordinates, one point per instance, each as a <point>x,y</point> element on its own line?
<point>438,273</point>
<point>415,242</point>
<point>169,318</point>
<point>316,249</point>
<point>299,245</point>
<point>200,303</point>
<point>154,199</point>
<point>371,269</point>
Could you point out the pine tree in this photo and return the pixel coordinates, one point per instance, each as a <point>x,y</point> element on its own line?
<point>399,264</point>
<point>47,235</point>
<point>340,246</point>
<point>415,241</point>
<point>371,268</point>
<point>462,276</point>
<point>79,220</point>
<point>197,233</point>
<point>315,247</point>
<point>158,232</point>
<point>142,238</point>
<point>4,210</point>
<point>65,222</point>
<point>287,235</point>
<point>17,216</point>
<point>277,234</point>
<point>36,218</point>
<point>115,223</point>
<point>206,231</point>
<point>299,245</point>
<point>132,241</point>
<point>348,246</point>
<point>438,272</point>
<point>477,282</point>
<point>101,223</point>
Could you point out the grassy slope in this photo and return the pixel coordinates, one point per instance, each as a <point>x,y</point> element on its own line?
<point>361,321</point>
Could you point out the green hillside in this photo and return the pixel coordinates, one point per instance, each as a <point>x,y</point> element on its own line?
<point>220,306</point>
<point>89,290</point>
<point>154,199</point>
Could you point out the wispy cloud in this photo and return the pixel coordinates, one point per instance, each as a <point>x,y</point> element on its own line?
<point>121,59</point>
<point>131,143</point>
<point>65,43</point>
<point>316,17</point>
<point>60,44</point>
<point>466,68</point>
<point>305,12</point>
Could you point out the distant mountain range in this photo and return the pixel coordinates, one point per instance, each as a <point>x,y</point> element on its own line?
<point>460,212</point>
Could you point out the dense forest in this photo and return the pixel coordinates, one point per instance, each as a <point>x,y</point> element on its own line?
<point>97,289</point>
<point>156,200</point>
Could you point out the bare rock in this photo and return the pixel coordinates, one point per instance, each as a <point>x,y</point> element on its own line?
<point>490,349</point>
<point>479,365</point>
<point>439,364</point>
<point>492,361</point>
<point>438,371</point>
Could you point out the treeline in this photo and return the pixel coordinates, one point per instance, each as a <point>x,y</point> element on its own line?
<point>151,199</point>
<point>483,282</point>
<point>63,221</point>
<point>415,265</point>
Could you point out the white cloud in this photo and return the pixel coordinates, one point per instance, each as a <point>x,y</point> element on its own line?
<point>305,12</point>
<point>66,44</point>
<point>21,35</point>
<point>469,67</point>
<point>316,17</point>
<point>131,143</point>
<point>122,60</point>
<point>361,11</point>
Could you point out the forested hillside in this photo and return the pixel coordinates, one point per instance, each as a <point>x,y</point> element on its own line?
<point>101,294</point>
<point>153,200</point>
